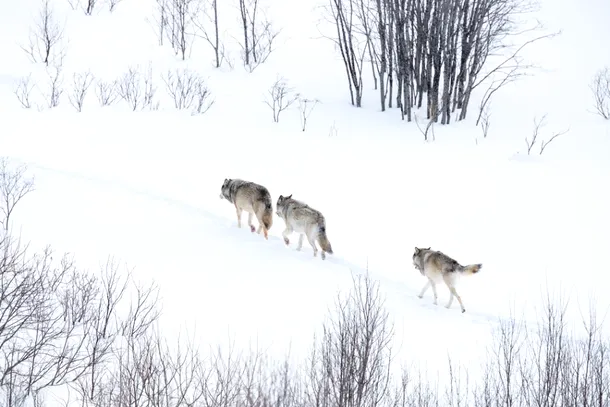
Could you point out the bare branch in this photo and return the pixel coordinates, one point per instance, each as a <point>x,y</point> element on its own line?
<point>81,84</point>
<point>531,142</point>
<point>600,87</point>
<point>543,143</point>
<point>112,4</point>
<point>55,86</point>
<point>536,132</point>
<point>137,90</point>
<point>306,106</point>
<point>208,15</point>
<point>24,91</point>
<point>13,188</point>
<point>106,92</point>
<point>46,37</point>
<point>280,98</point>
<point>188,91</point>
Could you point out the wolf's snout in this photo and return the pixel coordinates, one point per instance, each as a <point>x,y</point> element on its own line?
<point>221,197</point>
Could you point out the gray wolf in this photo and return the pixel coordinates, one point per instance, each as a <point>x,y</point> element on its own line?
<point>436,266</point>
<point>252,198</point>
<point>301,218</point>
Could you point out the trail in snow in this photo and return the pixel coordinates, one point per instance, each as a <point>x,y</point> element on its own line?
<point>216,226</point>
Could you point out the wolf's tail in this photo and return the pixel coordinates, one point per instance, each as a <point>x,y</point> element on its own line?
<point>472,268</point>
<point>268,215</point>
<point>323,239</point>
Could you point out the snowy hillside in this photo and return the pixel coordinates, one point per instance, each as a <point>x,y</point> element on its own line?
<point>142,187</point>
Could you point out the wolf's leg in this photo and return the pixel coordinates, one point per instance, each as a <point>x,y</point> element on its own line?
<point>423,291</point>
<point>454,292</point>
<point>300,245</point>
<point>312,242</point>
<point>450,300</point>
<point>449,284</point>
<point>285,234</point>
<point>252,229</point>
<point>238,210</point>
<point>434,291</point>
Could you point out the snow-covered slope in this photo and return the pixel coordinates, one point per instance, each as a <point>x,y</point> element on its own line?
<point>143,187</point>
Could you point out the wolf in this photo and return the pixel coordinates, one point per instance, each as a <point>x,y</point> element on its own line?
<point>436,265</point>
<point>301,218</point>
<point>252,198</point>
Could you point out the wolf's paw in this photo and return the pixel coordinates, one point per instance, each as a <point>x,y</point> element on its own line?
<point>420,296</point>
<point>463,310</point>
<point>323,256</point>
<point>252,228</point>
<point>286,241</point>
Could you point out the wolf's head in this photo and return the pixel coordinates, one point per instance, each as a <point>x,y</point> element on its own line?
<point>225,189</point>
<point>418,258</point>
<point>281,204</point>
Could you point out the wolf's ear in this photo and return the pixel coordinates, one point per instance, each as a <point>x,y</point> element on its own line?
<point>428,248</point>
<point>416,250</point>
<point>289,196</point>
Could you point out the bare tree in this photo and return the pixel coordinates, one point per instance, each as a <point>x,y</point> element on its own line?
<point>244,6</point>
<point>280,97</point>
<point>112,4</point>
<point>351,364</point>
<point>429,127</point>
<point>383,22</point>
<point>129,88</point>
<point>55,86</point>
<point>106,92</point>
<point>546,363</point>
<point>485,122</point>
<point>89,6</point>
<point>44,312</point>
<point>414,390</point>
<point>138,90</point>
<point>259,35</point>
<point>222,380</point>
<point>104,328</point>
<point>81,84</point>
<point>150,90</point>
<point>531,142</point>
<point>23,91</point>
<point>74,4</point>
<point>438,51</point>
<point>46,38</point>
<point>188,91</point>
<point>161,19</point>
<point>263,43</point>
<point>14,186</point>
<point>206,17</point>
<point>510,69</point>
<point>306,106</point>
<point>352,47</point>
<point>600,87</point>
<point>180,21</point>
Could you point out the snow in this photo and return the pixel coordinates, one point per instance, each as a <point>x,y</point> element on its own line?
<point>143,187</point>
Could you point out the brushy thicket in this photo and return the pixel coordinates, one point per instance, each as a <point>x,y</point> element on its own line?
<point>97,335</point>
